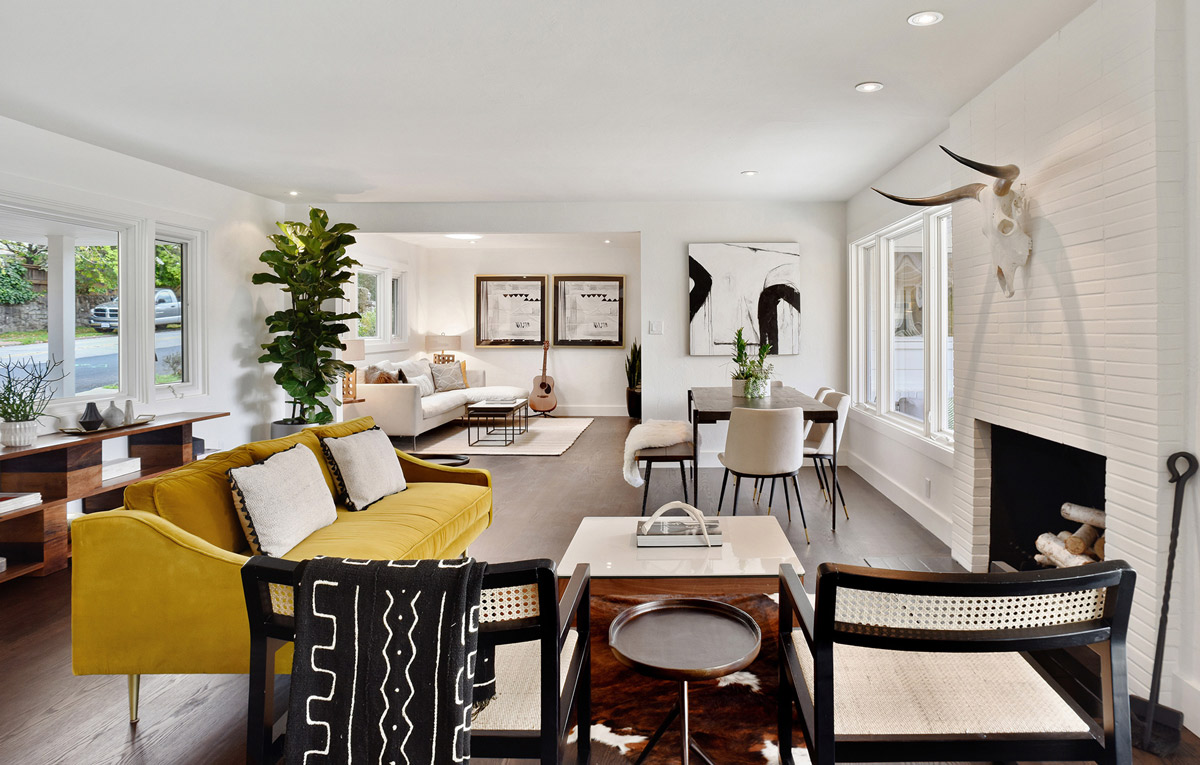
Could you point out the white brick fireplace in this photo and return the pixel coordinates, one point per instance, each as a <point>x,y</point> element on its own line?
<point>1090,350</point>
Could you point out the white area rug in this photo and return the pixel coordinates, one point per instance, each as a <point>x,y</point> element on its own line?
<point>546,438</point>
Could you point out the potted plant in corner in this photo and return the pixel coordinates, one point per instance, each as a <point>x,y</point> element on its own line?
<point>752,374</point>
<point>25,390</point>
<point>633,376</point>
<point>310,262</point>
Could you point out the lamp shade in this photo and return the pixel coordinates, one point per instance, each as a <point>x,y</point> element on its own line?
<point>443,342</point>
<point>356,350</point>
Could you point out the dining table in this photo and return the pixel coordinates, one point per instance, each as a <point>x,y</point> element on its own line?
<point>709,405</point>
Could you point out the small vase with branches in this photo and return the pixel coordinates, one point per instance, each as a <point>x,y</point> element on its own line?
<point>26,388</point>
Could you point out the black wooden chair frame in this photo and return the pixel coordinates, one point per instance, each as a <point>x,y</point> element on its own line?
<point>270,631</point>
<point>1108,741</point>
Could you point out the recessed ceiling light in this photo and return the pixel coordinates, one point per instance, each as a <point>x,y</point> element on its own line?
<point>749,172</point>
<point>471,242</point>
<point>608,241</point>
<point>464,236</point>
<point>294,193</point>
<point>925,18</point>
<point>869,87</point>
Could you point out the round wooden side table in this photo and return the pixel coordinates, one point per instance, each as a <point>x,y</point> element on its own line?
<point>684,639</point>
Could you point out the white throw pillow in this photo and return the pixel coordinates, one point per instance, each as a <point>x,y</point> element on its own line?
<point>413,368</point>
<point>281,500</point>
<point>365,467</point>
<point>425,383</point>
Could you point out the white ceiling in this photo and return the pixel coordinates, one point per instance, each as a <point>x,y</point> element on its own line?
<point>572,242</point>
<point>473,100</point>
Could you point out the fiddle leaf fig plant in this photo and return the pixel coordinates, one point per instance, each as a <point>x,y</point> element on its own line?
<point>310,263</point>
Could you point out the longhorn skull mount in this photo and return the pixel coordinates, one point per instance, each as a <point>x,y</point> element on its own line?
<point>1005,209</point>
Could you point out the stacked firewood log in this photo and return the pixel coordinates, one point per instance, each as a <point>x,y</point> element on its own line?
<point>1074,548</point>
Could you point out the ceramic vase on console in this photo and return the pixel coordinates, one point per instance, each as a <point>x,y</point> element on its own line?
<point>90,419</point>
<point>21,433</point>
<point>113,416</point>
<point>130,415</point>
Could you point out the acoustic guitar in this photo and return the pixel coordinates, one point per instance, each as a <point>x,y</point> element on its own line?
<point>542,400</point>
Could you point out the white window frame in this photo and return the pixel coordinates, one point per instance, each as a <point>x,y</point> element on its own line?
<point>387,339</point>
<point>931,428</point>
<point>195,348</point>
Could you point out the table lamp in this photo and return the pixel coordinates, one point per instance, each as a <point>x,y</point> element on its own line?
<point>356,350</point>
<point>442,342</point>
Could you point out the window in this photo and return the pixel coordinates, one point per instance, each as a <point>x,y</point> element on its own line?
<point>381,298</point>
<point>170,357</point>
<point>60,291</point>
<point>903,353</point>
<point>368,304</point>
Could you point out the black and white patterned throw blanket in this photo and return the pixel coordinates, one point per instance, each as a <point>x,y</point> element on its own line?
<point>384,662</point>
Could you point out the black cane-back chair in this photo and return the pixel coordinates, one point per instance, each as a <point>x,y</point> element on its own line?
<point>542,660</point>
<point>898,665</point>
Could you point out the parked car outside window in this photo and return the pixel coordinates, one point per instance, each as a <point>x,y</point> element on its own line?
<point>167,310</point>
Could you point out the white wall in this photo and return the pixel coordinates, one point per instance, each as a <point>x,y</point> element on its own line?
<point>38,164</point>
<point>588,381</point>
<point>1090,351</point>
<point>666,229</point>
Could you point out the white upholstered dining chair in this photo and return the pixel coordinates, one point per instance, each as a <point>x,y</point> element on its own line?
<point>765,443</point>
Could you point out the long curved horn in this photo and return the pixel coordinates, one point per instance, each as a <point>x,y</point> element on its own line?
<point>970,191</point>
<point>1004,174</point>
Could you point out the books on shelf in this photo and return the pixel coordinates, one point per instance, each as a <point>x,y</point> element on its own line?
<point>116,468</point>
<point>18,500</point>
<point>3,564</point>
<point>679,532</point>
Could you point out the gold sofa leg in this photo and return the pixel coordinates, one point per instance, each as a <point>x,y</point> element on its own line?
<point>135,683</point>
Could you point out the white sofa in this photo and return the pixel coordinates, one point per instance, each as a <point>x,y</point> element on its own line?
<point>400,410</point>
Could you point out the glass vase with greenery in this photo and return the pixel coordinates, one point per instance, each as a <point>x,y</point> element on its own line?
<point>751,371</point>
<point>26,388</point>
<point>310,262</point>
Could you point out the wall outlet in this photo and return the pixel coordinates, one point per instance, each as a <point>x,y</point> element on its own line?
<point>928,487</point>
<point>656,327</point>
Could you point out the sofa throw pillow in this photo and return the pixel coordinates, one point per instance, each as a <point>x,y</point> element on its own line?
<point>376,376</point>
<point>412,368</point>
<point>365,467</point>
<point>425,383</point>
<point>449,376</point>
<point>281,500</point>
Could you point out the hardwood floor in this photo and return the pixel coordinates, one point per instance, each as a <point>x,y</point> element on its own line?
<point>49,716</point>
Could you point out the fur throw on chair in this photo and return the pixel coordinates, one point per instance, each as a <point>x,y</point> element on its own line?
<point>651,434</point>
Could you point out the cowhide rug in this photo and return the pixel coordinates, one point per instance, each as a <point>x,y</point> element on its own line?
<point>732,719</point>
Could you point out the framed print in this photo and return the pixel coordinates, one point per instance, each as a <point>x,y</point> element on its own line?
<point>510,311</point>
<point>589,311</point>
<point>753,286</point>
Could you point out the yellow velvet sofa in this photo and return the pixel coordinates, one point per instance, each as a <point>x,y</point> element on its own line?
<point>156,585</point>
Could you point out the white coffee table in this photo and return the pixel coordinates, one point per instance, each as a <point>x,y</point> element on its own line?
<point>748,562</point>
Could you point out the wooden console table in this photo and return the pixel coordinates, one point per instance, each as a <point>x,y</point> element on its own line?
<point>65,468</point>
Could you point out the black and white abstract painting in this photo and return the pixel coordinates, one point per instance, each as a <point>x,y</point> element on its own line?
<point>510,310</point>
<point>589,311</point>
<point>753,286</point>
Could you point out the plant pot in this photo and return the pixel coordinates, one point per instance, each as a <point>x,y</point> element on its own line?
<point>633,402</point>
<point>281,428</point>
<point>758,389</point>
<point>22,433</point>
<point>739,388</point>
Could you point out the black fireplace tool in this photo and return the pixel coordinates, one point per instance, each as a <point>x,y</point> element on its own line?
<point>1155,727</point>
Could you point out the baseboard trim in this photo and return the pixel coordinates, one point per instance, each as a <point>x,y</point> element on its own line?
<point>591,410</point>
<point>921,511</point>
<point>1187,693</point>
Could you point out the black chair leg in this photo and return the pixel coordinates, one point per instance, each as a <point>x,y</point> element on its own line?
<point>800,504</point>
<point>787,500</point>
<point>784,706</point>
<point>820,477</point>
<point>837,485</point>
<point>737,484</point>
<point>724,481</point>
<point>683,477</point>
<point>771,498</point>
<point>646,490</point>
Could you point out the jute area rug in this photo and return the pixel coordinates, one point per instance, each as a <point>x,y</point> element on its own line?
<point>732,718</point>
<point>546,437</point>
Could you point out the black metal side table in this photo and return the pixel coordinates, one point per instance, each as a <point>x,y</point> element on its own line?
<point>684,639</point>
<point>496,424</point>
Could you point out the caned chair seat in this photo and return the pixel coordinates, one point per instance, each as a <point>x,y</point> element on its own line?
<point>517,703</point>
<point>881,692</point>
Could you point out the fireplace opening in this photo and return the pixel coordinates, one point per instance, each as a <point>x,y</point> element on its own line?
<point>1031,479</point>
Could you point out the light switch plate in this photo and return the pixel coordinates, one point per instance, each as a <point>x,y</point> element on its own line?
<point>656,327</point>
